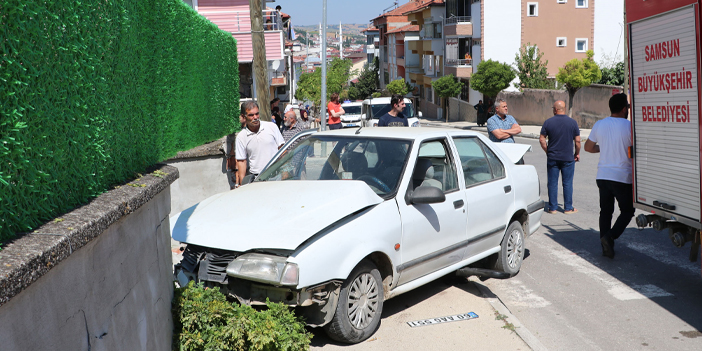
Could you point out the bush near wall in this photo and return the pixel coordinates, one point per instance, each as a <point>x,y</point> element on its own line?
<point>92,92</point>
<point>205,320</point>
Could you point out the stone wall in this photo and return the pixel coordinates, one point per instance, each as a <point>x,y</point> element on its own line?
<point>534,106</point>
<point>460,110</point>
<point>97,278</point>
<point>203,173</point>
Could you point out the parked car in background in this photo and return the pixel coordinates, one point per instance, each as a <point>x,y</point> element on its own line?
<point>350,218</point>
<point>352,117</point>
<point>373,109</point>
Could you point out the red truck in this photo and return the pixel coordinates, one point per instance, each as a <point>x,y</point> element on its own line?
<point>664,61</point>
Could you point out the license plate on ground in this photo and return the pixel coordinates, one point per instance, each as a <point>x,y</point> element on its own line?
<point>439,320</point>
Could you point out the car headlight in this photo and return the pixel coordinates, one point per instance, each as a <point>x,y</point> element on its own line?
<point>264,269</point>
<point>415,124</point>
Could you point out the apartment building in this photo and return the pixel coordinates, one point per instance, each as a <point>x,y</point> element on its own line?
<point>372,39</point>
<point>234,16</point>
<point>384,23</point>
<point>561,29</point>
<point>401,59</point>
<point>428,15</point>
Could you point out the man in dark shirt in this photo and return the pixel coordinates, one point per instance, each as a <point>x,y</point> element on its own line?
<point>562,132</point>
<point>394,117</point>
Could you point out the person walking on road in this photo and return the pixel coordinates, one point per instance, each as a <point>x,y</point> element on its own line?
<point>481,113</point>
<point>502,127</point>
<point>562,132</point>
<point>256,144</point>
<point>394,117</point>
<point>611,138</point>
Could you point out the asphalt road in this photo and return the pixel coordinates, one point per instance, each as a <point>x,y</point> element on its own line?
<point>649,297</point>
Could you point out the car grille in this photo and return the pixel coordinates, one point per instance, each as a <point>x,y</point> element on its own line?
<point>212,263</point>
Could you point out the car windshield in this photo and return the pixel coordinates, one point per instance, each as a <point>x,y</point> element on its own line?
<point>376,161</point>
<point>352,110</point>
<point>381,109</point>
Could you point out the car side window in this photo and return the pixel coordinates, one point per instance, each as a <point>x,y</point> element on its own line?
<point>498,169</point>
<point>434,167</point>
<point>475,164</point>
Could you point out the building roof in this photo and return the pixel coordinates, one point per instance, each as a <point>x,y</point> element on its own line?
<point>410,6</point>
<point>423,5</point>
<point>370,29</point>
<point>407,28</point>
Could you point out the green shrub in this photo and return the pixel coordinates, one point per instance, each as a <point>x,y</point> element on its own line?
<point>205,320</point>
<point>92,92</point>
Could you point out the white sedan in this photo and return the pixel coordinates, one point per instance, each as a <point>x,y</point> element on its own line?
<point>347,219</point>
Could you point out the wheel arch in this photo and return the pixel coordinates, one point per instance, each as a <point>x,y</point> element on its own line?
<point>521,216</point>
<point>385,267</point>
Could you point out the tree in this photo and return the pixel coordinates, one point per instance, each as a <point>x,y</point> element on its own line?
<point>398,86</point>
<point>445,87</point>
<point>531,71</point>
<point>367,84</point>
<point>613,75</point>
<point>491,78</point>
<point>309,86</point>
<point>577,74</point>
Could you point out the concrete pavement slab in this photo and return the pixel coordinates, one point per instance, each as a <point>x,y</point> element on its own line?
<point>492,330</point>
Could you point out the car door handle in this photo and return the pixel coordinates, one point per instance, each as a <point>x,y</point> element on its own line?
<point>458,204</point>
<point>508,188</point>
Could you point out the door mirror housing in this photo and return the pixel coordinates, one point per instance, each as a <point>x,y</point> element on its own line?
<point>419,114</point>
<point>427,195</point>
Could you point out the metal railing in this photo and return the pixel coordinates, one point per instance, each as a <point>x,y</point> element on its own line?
<point>458,19</point>
<point>272,20</point>
<point>277,78</point>
<point>459,62</point>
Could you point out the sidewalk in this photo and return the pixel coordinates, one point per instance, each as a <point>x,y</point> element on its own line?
<point>527,131</point>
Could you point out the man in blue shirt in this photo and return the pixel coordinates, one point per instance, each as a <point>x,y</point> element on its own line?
<point>562,132</point>
<point>502,127</point>
<point>394,117</point>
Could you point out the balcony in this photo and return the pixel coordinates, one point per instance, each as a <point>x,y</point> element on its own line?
<point>277,78</point>
<point>459,62</point>
<point>458,28</point>
<point>458,19</point>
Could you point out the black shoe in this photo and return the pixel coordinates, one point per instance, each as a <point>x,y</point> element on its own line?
<point>607,246</point>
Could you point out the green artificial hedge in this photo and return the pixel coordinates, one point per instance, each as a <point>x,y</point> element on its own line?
<point>205,320</point>
<point>94,91</point>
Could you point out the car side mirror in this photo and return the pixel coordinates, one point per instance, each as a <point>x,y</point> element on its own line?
<point>363,117</point>
<point>248,179</point>
<point>427,195</point>
<point>419,114</point>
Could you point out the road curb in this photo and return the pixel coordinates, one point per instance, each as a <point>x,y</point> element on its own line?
<point>519,328</point>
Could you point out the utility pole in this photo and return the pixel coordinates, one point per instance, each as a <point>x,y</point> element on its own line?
<point>323,100</point>
<point>260,65</point>
<point>341,43</point>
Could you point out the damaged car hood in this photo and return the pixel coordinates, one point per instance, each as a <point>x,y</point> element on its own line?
<point>270,215</point>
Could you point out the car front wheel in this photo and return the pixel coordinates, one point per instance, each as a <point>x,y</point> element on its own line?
<point>509,259</point>
<point>360,304</point>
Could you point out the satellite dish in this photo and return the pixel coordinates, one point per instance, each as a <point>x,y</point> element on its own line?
<point>275,64</point>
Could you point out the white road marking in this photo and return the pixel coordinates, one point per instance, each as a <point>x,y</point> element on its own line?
<point>580,261</point>
<point>655,253</point>
<point>519,295</point>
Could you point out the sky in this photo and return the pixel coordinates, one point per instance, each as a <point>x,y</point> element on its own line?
<point>307,12</point>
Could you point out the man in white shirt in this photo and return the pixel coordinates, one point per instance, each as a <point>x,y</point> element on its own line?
<point>256,144</point>
<point>611,138</point>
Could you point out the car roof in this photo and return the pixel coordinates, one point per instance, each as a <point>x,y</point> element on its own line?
<point>399,132</point>
<point>352,103</point>
<point>382,100</point>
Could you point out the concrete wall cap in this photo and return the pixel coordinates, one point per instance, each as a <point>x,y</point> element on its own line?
<point>29,256</point>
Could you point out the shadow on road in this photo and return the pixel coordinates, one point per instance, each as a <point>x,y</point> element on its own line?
<point>645,260</point>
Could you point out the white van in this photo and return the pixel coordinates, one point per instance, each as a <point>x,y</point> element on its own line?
<point>352,117</point>
<point>373,109</point>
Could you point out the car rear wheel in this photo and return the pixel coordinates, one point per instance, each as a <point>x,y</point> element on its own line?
<point>509,259</point>
<point>360,304</point>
